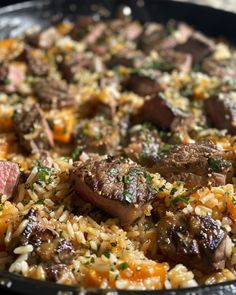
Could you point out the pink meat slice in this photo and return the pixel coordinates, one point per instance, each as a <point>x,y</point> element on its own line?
<point>9,177</point>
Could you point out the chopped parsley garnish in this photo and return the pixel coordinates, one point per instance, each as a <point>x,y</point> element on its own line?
<point>179,199</point>
<point>123,265</point>
<point>1,207</point>
<point>44,173</point>
<point>40,202</point>
<point>107,254</point>
<point>77,152</point>
<point>7,82</point>
<point>113,172</point>
<point>126,179</point>
<point>166,147</point>
<point>214,164</point>
<point>173,191</point>
<point>127,196</point>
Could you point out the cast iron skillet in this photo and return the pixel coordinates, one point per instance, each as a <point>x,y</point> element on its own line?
<point>15,19</point>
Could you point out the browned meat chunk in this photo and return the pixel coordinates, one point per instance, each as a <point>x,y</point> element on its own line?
<point>46,242</point>
<point>196,241</point>
<point>98,135</point>
<point>158,111</point>
<point>74,62</point>
<point>53,94</point>
<point>37,63</point>
<point>194,164</point>
<point>9,177</point>
<point>11,76</point>
<point>44,39</point>
<point>221,110</point>
<point>55,271</point>
<point>198,46</point>
<point>117,185</point>
<point>224,69</point>
<point>156,36</point>
<point>129,59</point>
<point>88,30</point>
<point>143,145</point>
<point>32,129</point>
<point>176,60</point>
<point>144,82</point>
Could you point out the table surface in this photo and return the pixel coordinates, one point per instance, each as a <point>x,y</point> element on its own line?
<point>229,5</point>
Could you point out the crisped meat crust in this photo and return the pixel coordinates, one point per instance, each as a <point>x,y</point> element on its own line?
<point>161,113</point>
<point>143,145</point>
<point>194,164</point>
<point>97,135</point>
<point>221,111</point>
<point>144,82</point>
<point>117,185</point>
<point>196,241</point>
<point>32,129</point>
<point>37,63</point>
<point>53,94</point>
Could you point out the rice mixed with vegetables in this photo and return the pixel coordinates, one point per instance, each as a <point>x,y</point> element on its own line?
<point>117,155</point>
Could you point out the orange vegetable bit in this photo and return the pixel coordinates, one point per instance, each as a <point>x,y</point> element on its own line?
<point>8,214</point>
<point>63,126</point>
<point>231,208</point>
<point>146,270</point>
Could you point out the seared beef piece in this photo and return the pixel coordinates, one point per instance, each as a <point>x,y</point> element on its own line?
<point>74,62</point>
<point>88,30</point>
<point>37,63</point>
<point>143,145</point>
<point>224,69</point>
<point>34,233</point>
<point>152,35</point>
<point>176,60</point>
<point>131,31</point>
<point>195,164</point>
<point>98,135</point>
<point>11,76</point>
<point>46,242</point>
<point>144,82</point>
<point>129,59</point>
<point>221,111</point>
<point>55,271</point>
<point>32,129</point>
<point>161,113</point>
<point>9,177</point>
<point>117,185</point>
<point>53,94</point>
<point>157,37</point>
<point>198,46</point>
<point>44,39</point>
<point>196,241</point>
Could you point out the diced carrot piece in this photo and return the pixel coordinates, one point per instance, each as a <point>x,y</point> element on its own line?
<point>145,271</point>
<point>7,215</point>
<point>231,208</point>
<point>63,127</point>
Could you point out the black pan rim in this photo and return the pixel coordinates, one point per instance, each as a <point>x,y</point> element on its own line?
<point>6,277</point>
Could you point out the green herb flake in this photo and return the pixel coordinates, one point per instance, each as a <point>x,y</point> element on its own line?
<point>113,172</point>
<point>126,179</point>
<point>173,191</point>
<point>77,152</point>
<point>123,266</point>
<point>44,173</point>
<point>1,207</point>
<point>127,196</point>
<point>214,164</point>
<point>179,199</point>
<point>7,82</point>
<point>107,254</point>
<point>40,202</point>
<point>166,147</point>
